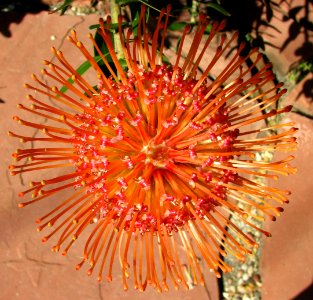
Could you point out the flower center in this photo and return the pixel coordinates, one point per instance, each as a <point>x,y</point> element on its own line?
<point>157,155</point>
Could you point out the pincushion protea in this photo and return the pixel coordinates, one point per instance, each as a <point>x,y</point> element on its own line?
<point>157,156</point>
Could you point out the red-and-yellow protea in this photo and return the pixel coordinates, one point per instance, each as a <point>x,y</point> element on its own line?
<point>157,155</point>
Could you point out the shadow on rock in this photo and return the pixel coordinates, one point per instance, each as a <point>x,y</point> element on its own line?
<point>14,12</point>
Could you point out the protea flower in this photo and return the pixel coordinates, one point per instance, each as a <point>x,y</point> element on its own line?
<point>157,155</point>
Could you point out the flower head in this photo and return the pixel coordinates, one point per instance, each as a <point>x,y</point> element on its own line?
<point>157,155</point>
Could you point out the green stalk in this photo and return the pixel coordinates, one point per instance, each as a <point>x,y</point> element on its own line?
<point>194,11</point>
<point>115,12</point>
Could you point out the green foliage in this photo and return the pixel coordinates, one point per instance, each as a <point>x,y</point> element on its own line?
<point>81,70</point>
<point>63,7</point>
<point>217,7</point>
<point>135,23</point>
<point>299,70</point>
<point>177,26</point>
<point>113,26</point>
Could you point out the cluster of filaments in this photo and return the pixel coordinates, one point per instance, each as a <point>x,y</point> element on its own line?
<point>160,156</point>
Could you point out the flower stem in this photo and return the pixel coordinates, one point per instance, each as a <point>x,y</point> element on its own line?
<point>194,11</point>
<point>115,12</point>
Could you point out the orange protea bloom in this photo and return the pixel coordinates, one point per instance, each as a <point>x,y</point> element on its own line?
<point>157,155</point>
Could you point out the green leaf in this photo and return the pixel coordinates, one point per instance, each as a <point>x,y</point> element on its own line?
<point>145,2</point>
<point>123,63</point>
<point>101,44</point>
<point>165,59</point>
<point>63,7</point>
<point>94,26</point>
<point>113,26</point>
<point>177,26</point>
<point>219,8</point>
<point>135,24</point>
<point>208,29</point>
<point>178,43</point>
<point>80,70</point>
<point>125,2</point>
